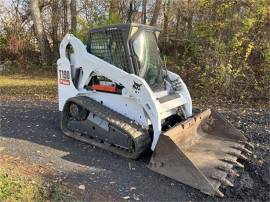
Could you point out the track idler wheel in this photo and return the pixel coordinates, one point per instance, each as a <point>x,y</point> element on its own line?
<point>78,112</point>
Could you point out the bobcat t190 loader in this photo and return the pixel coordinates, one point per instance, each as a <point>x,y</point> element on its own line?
<point>114,93</point>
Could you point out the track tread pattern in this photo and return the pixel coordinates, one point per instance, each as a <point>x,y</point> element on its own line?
<point>139,135</point>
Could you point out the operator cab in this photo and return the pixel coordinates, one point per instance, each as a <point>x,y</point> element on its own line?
<point>130,47</point>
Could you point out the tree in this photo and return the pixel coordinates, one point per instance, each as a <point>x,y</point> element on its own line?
<point>143,16</point>
<point>65,17</point>
<point>167,6</point>
<point>54,24</point>
<point>39,31</point>
<point>215,43</point>
<point>73,13</point>
<point>114,12</point>
<point>113,7</point>
<point>130,10</point>
<point>156,12</point>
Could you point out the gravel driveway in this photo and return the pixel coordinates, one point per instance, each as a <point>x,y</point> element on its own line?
<point>30,129</point>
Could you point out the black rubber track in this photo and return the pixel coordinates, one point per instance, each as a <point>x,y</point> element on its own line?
<point>140,136</point>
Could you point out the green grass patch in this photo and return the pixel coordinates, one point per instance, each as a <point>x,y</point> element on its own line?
<point>15,186</point>
<point>25,86</point>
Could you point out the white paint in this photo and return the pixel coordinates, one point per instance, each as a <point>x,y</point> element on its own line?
<point>141,106</point>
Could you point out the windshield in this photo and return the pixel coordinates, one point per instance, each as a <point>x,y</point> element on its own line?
<point>146,48</point>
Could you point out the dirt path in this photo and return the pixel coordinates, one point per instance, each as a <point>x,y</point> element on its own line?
<point>31,130</point>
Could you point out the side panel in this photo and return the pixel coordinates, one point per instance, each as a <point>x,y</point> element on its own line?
<point>124,105</point>
<point>66,88</point>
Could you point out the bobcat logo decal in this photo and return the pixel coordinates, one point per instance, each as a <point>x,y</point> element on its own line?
<point>136,86</point>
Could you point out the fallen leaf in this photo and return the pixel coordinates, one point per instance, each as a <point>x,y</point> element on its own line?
<point>126,197</point>
<point>82,187</point>
<point>132,188</point>
<point>136,198</point>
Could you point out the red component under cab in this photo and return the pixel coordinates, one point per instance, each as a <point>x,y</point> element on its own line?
<point>104,88</point>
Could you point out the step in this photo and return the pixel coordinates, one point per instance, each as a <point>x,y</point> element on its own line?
<point>160,94</point>
<point>168,104</point>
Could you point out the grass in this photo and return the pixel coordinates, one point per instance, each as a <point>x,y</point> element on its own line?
<point>23,182</point>
<point>42,85</point>
<point>20,86</point>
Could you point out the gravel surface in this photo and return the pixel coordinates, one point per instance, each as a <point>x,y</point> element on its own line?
<point>31,130</point>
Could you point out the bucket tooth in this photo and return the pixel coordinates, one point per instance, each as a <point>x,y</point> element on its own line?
<point>247,151</point>
<point>248,144</point>
<point>219,194</point>
<point>241,156</point>
<point>242,149</point>
<point>223,181</point>
<point>239,164</point>
<point>234,162</point>
<point>229,171</point>
<point>226,182</point>
<point>196,149</point>
<point>233,173</point>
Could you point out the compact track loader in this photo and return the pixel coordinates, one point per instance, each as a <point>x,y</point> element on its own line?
<point>115,93</point>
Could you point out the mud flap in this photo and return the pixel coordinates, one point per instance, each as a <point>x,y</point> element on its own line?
<point>201,152</point>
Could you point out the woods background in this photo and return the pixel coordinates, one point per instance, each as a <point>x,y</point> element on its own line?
<point>220,48</point>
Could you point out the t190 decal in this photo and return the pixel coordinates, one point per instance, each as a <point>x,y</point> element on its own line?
<point>64,77</point>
